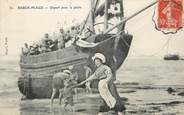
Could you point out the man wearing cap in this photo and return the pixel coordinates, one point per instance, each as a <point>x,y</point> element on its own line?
<point>106,87</point>
<point>58,84</point>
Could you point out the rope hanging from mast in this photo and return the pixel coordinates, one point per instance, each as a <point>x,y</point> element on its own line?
<point>165,45</point>
<point>93,9</point>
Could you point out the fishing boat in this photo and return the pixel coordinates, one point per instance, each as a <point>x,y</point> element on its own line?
<point>37,70</point>
<point>171,57</point>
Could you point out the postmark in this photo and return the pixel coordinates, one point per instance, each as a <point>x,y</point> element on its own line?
<point>169,15</point>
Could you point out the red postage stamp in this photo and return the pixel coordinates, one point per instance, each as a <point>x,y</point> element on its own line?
<point>169,14</point>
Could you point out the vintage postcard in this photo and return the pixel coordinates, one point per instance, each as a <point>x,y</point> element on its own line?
<point>91,57</point>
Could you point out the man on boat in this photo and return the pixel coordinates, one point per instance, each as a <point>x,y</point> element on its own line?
<point>46,42</point>
<point>33,49</point>
<point>67,38</point>
<point>106,87</point>
<point>58,84</point>
<point>70,36</point>
<point>25,49</point>
<point>43,49</point>
<point>54,45</point>
<point>61,39</point>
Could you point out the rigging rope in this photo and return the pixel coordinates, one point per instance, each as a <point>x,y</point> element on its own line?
<point>150,55</point>
<point>85,22</point>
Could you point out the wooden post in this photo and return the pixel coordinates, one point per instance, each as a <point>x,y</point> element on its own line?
<point>106,15</point>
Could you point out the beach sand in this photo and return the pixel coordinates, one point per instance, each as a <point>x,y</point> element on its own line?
<point>140,82</point>
<point>141,100</point>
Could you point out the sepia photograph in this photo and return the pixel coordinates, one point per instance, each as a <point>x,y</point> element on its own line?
<point>91,57</point>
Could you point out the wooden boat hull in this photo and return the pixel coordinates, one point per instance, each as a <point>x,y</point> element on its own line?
<point>37,70</point>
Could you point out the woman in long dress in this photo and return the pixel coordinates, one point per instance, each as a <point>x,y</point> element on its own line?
<point>106,87</point>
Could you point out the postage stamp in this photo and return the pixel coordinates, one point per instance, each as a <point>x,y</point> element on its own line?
<point>169,14</point>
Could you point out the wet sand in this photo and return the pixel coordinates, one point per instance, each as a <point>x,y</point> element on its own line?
<point>138,100</point>
<point>144,83</point>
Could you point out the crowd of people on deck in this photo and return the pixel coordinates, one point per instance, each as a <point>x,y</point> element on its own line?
<point>52,43</point>
<point>65,82</point>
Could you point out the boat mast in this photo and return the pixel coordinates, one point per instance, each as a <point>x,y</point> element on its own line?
<point>91,16</point>
<point>106,15</point>
<point>130,17</point>
<point>120,29</point>
<point>122,14</point>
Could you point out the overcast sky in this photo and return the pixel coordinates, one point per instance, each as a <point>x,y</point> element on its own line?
<point>26,25</point>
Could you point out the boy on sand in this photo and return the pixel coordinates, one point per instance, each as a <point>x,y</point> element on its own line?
<point>58,84</point>
<point>88,72</point>
<point>68,92</point>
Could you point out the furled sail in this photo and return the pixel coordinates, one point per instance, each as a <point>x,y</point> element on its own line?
<point>85,44</point>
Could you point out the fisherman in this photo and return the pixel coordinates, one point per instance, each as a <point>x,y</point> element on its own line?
<point>47,42</point>
<point>71,36</point>
<point>43,49</point>
<point>58,84</point>
<point>25,49</point>
<point>78,28</point>
<point>61,39</point>
<point>54,44</point>
<point>88,72</point>
<point>31,50</point>
<point>106,87</point>
<point>74,31</point>
<point>36,49</point>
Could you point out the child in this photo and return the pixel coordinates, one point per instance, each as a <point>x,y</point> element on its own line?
<point>88,72</point>
<point>69,85</point>
<point>58,84</point>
